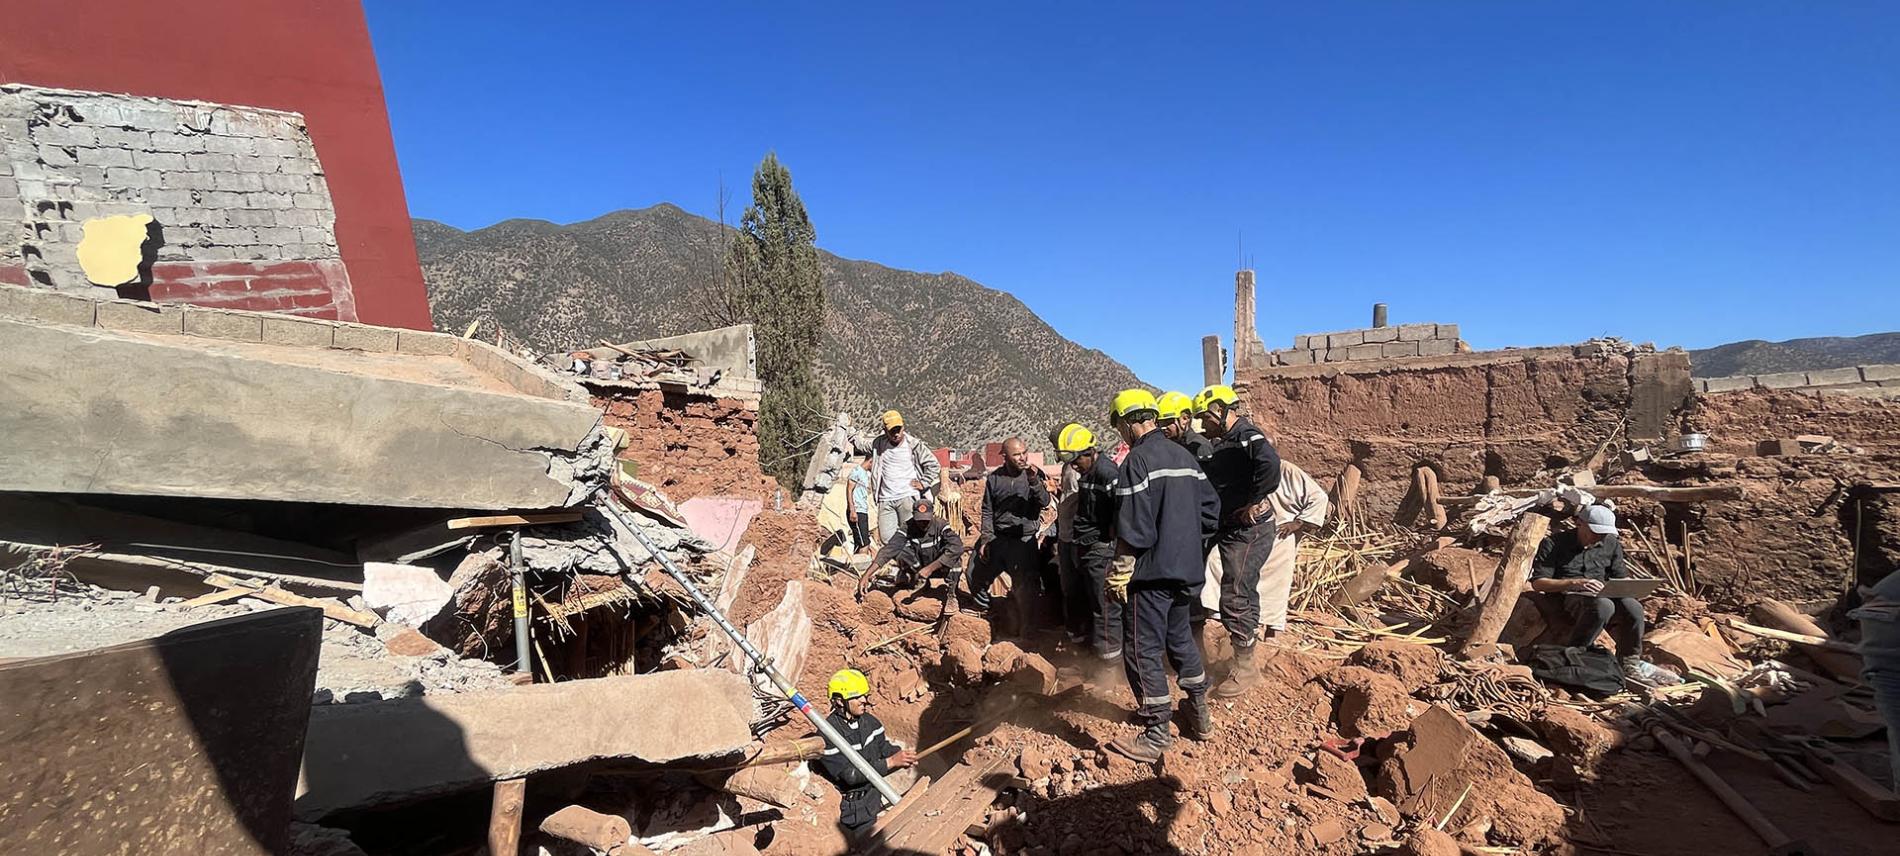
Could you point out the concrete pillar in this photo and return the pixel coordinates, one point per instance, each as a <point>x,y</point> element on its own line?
<point>1213,362</point>
<point>1378,315</point>
<point>1246,337</point>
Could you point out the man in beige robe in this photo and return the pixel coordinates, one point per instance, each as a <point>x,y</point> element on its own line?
<point>1299,507</point>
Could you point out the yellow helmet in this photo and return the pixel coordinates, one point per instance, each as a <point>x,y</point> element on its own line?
<point>1130,401</point>
<point>849,684</point>
<point>1075,440</point>
<point>1218,392</point>
<point>1173,405</point>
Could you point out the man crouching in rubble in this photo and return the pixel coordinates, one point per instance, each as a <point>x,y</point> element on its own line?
<point>1166,508</point>
<point>923,547</point>
<point>850,694</point>
<point>1575,564</point>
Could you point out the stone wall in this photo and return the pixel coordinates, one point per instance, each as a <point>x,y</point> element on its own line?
<point>688,443</point>
<point>1371,343</point>
<point>242,213</point>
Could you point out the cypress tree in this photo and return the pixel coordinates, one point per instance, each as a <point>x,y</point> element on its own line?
<point>773,272</point>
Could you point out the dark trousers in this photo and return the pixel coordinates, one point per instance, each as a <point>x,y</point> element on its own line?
<point>1104,617</point>
<point>1243,552</point>
<point>1155,635</point>
<point>1622,615</point>
<point>1078,609</point>
<point>861,531</point>
<point>1019,559</point>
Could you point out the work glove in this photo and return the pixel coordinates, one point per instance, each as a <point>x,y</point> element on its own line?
<point>1119,576</point>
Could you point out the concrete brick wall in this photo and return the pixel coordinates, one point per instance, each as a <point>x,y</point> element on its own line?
<point>1371,343</point>
<point>1852,378</point>
<point>243,214</point>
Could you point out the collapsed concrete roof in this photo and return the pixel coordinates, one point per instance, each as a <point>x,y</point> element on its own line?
<point>126,397</point>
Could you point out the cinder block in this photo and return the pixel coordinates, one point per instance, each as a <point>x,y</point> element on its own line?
<point>1437,347</point>
<point>1330,355</point>
<point>1447,331</point>
<point>1831,377</point>
<point>1301,341</point>
<point>1381,334</point>
<point>285,330</point>
<point>141,317</point>
<point>1417,332</point>
<point>362,337</point>
<point>1303,356</point>
<point>1872,374</point>
<point>1365,352</point>
<point>420,342</point>
<point>1399,349</point>
<point>1782,380</point>
<point>1345,339</point>
<point>45,304</point>
<point>224,324</point>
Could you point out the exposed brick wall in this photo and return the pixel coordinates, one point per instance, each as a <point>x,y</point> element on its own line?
<point>1371,343</point>
<point>1874,377</point>
<point>689,444</point>
<point>242,207</point>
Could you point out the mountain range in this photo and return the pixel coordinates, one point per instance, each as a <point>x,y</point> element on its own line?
<point>966,364</point>
<point>1755,356</point>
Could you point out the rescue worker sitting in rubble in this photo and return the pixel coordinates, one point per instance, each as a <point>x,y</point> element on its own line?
<point>1573,566</point>
<point>850,694</point>
<point>922,548</point>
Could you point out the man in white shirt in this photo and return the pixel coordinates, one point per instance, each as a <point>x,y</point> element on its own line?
<point>903,468</point>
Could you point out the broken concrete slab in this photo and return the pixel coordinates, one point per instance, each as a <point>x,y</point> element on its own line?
<point>720,520</point>
<point>405,594</point>
<point>125,412</point>
<point>392,751</point>
<point>783,635</point>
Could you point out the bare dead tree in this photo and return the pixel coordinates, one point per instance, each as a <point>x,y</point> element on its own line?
<point>719,298</point>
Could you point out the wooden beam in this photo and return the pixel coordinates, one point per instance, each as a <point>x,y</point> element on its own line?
<point>1699,493</point>
<point>219,596</point>
<point>504,817</point>
<point>331,608</point>
<point>1508,584</point>
<point>1785,636</point>
<point>932,822</point>
<point>514,520</point>
<point>1780,616</point>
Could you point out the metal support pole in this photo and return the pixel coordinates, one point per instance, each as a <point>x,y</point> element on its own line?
<point>520,574</point>
<point>619,516</point>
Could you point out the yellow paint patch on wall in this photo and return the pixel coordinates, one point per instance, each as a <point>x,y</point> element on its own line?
<point>113,248</point>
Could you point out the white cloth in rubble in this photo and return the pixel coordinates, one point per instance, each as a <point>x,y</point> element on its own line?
<point>1301,498</point>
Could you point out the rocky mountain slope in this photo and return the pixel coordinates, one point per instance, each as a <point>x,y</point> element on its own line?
<point>965,363</point>
<point>1755,356</point>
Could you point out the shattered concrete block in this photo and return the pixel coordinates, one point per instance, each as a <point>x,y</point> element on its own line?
<point>405,594</point>
<point>387,751</point>
<point>1782,380</point>
<point>1833,377</point>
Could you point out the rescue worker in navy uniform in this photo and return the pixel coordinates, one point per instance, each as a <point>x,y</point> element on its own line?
<point>850,694</point>
<point>1167,506</point>
<point>1094,524</point>
<point>922,547</point>
<point>1245,470</point>
<point>1176,419</point>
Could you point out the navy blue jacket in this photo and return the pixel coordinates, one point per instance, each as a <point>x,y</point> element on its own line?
<point>1096,504</point>
<point>1199,445</point>
<point>861,801</point>
<point>1167,508</point>
<point>1245,470</point>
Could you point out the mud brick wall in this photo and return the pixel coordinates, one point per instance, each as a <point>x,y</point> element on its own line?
<point>689,444</point>
<point>1503,413</point>
<point>243,214</point>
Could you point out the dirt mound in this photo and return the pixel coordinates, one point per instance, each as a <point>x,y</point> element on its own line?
<point>1414,666</point>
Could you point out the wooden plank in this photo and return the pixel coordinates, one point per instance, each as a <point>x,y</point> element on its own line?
<point>504,818</point>
<point>1508,585</point>
<point>1698,493</point>
<point>514,520</point>
<point>331,608</point>
<point>214,597</point>
<point>933,822</point>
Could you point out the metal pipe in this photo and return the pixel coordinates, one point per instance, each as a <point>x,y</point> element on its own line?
<point>522,663</point>
<point>619,516</point>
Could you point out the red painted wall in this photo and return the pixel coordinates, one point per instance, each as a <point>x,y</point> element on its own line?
<point>311,56</point>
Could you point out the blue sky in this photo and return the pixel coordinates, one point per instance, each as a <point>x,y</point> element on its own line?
<point>1686,173</point>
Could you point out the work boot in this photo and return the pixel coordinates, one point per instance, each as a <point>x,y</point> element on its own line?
<point>1197,717</point>
<point>1145,746</point>
<point>1241,676</point>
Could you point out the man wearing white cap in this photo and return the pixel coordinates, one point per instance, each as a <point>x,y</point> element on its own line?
<point>1575,564</point>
